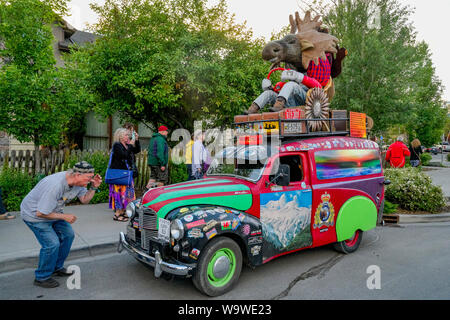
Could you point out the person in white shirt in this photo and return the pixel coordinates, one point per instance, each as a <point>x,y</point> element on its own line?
<point>200,156</point>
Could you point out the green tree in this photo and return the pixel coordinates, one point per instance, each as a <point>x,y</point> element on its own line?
<point>38,100</point>
<point>172,62</point>
<point>387,74</point>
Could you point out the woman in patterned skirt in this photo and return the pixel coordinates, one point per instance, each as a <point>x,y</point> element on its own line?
<point>123,154</point>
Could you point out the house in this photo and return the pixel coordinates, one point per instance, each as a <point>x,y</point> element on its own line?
<point>99,135</point>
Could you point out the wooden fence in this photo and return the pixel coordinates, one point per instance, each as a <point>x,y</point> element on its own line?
<point>52,161</point>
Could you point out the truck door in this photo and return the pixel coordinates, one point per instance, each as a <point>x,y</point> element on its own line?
<point>286,210</point>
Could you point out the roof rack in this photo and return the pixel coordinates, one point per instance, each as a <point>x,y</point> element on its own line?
<point>288,127</point>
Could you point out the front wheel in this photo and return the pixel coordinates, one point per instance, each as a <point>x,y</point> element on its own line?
<point>219,267</point>
<point>350,245</point>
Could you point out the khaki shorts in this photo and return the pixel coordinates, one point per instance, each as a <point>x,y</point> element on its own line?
<point>158,175</point>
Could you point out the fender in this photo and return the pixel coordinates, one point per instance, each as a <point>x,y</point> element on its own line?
<point>357,213</point>
<point>204,222</point>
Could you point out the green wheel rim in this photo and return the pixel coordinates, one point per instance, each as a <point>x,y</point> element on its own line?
<point>220,282</point>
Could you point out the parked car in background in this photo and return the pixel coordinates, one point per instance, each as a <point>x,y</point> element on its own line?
<point>434,149</point>
<point>446,146</point>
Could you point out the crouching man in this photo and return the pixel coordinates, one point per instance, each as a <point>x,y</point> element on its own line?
<point>43,212</point>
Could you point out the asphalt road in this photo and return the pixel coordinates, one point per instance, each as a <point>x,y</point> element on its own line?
<point>413,262</point>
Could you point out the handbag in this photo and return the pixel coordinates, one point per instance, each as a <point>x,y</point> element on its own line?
<point>118,176</point>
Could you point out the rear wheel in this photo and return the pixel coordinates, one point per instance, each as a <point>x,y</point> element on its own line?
<point>219,267</point>
<point>350,245</point>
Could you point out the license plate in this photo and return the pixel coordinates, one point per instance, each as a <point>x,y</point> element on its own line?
<point>164,229</point>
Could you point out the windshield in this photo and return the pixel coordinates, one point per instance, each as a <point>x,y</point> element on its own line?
<point>243,161</point>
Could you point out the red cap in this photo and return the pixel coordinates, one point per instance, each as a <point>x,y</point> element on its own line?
<point>163,128</point>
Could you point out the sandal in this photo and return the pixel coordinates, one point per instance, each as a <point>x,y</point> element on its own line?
<point>121,218</point>
<point>7,216</point>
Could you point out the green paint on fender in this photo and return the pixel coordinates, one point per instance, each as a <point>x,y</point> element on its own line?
<point>239,199</point>
<point>208,191</point>
<point>358,213</point>
<point>239,202</point>
<point>194,184</point>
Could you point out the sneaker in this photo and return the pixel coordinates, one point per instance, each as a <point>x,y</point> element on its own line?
<point>63,273</point>
<point>49,283</point>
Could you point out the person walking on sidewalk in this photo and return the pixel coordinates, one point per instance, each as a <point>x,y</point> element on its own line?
<point>158,158</point>
<point>200,156</point>
<point>416,150</point>
<point>396,153</point>
<point>188,159</point>
<point>42,210</point>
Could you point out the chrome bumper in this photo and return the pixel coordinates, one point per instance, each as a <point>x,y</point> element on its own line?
<point>155,262</point>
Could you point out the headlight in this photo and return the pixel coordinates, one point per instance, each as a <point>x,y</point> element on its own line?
<point>177,229</point>
<point>131,209</point>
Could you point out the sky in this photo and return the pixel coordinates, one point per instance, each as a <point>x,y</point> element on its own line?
<point>431,21</point>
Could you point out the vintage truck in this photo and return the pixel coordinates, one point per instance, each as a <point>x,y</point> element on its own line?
<point>257,203</point>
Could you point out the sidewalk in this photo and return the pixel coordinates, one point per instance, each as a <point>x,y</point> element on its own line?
<point>95,233</point>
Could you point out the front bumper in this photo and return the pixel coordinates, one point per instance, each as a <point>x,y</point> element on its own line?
<point>155,262</point>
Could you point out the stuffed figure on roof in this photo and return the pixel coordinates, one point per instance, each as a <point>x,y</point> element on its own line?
<point>312,58</point>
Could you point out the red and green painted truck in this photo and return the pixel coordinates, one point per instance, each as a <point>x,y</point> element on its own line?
<point>255,204</point>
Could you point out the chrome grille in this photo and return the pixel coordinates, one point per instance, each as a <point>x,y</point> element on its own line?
<point>147,219</point>
<point>131,233</point>
<point>145,237</point>
<point>147,225</point>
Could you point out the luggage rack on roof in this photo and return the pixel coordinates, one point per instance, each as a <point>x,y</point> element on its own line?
<point>286,128</point>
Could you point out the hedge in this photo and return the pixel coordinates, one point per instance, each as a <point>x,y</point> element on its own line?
<point>413,190</point>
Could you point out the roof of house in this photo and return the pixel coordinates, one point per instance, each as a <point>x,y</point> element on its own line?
<point>79,38</point>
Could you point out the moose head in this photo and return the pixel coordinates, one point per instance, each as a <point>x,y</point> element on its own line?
<point>306,42</point>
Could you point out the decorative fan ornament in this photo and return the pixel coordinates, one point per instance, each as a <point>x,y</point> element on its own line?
<point>317,107</point>
<point>369,123</point>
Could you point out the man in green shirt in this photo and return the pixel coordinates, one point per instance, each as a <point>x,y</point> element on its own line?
<point>158,158</point>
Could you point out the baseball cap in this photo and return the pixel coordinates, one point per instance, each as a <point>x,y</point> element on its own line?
<point>163,128</point>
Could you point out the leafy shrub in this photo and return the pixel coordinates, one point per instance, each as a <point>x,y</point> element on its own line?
<point>413,190</point>
<point>177,172</point>
<point>389,207</point>
<point>448,156</point>
<point>15,186</point>
<point>99,160</point>
<point>425,158</point>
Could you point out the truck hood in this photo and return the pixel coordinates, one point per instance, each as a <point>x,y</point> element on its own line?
<point>214,191</point>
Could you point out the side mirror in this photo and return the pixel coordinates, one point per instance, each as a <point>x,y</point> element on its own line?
<point>283,176</point>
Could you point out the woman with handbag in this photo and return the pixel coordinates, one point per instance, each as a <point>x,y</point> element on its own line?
<point>121,162</point>
<point>416,151</point>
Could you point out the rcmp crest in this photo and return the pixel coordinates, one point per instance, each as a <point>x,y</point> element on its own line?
<point>324,215</point>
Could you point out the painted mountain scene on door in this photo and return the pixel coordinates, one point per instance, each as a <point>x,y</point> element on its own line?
<point>285,219</point>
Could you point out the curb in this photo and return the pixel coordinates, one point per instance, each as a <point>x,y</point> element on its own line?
<point>83,252</point>
<point>424,218</point>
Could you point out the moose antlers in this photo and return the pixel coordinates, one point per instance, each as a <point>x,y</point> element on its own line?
<point>304,25</point>
<point>314,43</point>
